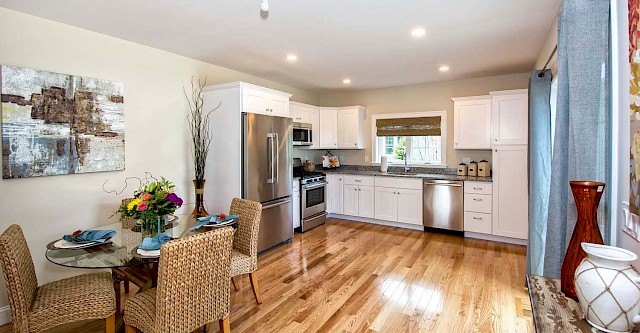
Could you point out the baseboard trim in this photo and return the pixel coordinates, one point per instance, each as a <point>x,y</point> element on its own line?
<point>5,315</point>
<point>379,222</point>
<point>494,238</point>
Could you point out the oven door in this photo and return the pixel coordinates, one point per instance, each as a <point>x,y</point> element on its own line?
<point>313,199</point>
<point>301,136</point>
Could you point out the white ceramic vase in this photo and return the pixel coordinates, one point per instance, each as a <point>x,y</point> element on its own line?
<point>608,288</point>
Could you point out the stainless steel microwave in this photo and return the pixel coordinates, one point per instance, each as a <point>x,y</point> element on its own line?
<point>302,135</point>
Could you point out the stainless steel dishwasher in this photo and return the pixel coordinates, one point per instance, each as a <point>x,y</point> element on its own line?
<point>442,202</point>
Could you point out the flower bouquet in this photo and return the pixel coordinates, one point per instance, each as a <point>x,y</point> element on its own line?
<point>151,204</point>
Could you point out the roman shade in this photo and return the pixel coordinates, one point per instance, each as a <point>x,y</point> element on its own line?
<point>419,126</point>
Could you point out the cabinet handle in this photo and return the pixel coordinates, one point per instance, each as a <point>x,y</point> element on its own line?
<point>477,188</point>
<point>358,180</point>
<point>476,199</point>
<point>477,218</point>
<point>496,140</point>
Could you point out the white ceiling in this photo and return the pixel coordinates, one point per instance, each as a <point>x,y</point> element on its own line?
<point>367,41</point>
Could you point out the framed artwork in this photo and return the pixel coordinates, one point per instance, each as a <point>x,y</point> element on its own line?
<point>56,124</point>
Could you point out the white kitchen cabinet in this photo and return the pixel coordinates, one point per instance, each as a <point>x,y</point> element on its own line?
<point>478,207</point>
<point>366,201</point>
<point>386,202</point>
<point>510,117</point>
<point>359,196</point>
<point>398,200</point>
<point>254,99</point>
<point>328,133</point>
<point>262,100</point>
<point>335,194</point>
<point>350,200</point>
<point>472,122</point>
<point>351,127</point>
<point>410,206</point>
<point>510,191</point>
<point>296,204</point>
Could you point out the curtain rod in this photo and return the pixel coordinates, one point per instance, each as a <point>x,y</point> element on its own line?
<point>555,49</point>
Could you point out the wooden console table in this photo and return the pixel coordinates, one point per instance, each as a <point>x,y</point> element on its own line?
<point>552,311</point>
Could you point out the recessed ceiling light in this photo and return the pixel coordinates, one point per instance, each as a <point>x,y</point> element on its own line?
<point>444,68</point>
<point>292,57</point>
<point>346,81</point>
<point>418,32</point>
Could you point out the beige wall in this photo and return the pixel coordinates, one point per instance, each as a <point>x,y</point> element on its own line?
<point>156,129</point>
<point>424,97</point>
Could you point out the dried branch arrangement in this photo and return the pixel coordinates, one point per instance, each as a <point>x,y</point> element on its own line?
<point>199,126</point>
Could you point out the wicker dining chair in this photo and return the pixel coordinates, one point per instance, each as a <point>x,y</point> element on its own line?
<point>37,308</point>
<point>244,257</point>
<point>193,286</point>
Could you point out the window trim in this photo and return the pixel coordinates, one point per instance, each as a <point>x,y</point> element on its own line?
<point>443,136</point>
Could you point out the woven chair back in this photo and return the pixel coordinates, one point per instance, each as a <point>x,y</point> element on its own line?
<point>249,212</point>
<point>19,275</point>
<point>193,281</point>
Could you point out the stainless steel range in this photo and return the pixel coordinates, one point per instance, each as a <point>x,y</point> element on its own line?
<point>313,204</point>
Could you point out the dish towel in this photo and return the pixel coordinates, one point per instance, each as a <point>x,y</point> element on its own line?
<point>212,219</point>
<point>154,243</point>
<point>90,236</point>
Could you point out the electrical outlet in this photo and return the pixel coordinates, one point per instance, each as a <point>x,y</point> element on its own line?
<point>366,158</point>
<point>466,160</point>
<point>341,158</point>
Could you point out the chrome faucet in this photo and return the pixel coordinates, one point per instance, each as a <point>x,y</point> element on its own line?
<point>407,168</point>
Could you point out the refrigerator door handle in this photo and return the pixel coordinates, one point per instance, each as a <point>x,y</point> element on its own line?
<point>270,142</point>
<point>276,156</point>
<point>276,204</point>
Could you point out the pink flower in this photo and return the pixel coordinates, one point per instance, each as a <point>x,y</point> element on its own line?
<point>142,207</point>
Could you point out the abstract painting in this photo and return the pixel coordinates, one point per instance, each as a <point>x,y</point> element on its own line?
<point>634,107</point>
<point>56,124</point>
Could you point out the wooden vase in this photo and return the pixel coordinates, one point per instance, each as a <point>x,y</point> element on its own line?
<point>587,195</point>
<point>198,210</point>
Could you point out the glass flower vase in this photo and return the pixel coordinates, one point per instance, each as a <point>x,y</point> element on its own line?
<point>152,227</point>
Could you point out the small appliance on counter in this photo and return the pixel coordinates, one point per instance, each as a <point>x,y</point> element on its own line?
<point>484,169</point>
<point>309,166</point>
<point>330,161</point>
<point>472,169</point>
<point>462,169</point>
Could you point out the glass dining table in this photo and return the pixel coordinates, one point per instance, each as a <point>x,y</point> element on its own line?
<point>120,255</point>
<point>119,251</point>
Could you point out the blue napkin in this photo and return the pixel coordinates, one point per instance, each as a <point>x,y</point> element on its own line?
<point>154,243</point>
<point>212,219</point>
<point>90,236</point>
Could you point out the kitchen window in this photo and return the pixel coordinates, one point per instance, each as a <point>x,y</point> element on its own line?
<point>419,135</point>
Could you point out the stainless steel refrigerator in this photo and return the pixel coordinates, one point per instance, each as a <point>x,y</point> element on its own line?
<point>267,174</point>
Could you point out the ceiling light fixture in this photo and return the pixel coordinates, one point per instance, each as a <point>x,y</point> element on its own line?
<point>444,68</point>
<point>292,57</point>
<point>265,5</point>
<point>418,32</point>
<point>346,81</point>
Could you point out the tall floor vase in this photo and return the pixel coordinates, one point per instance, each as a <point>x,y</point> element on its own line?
<point>587,196</point>
<point>198,210</point>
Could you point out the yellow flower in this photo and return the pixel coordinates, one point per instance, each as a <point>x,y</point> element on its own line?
<point>133,203</point>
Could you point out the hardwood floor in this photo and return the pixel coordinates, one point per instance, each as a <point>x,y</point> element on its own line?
<point>354,277</point>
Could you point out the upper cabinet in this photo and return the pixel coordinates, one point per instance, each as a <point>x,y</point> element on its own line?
<point>510,117</point>
<point>342,128</point>
<point>309,114</point>
<point>328,128</point>
<point>472,122</point>
<point>351,127</point>
<point>261,100</point>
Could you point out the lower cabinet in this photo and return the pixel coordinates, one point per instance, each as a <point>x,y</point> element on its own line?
<point>359,201</point>
<point>510,191</point>
<point>334,195</point>
<point>478,207</point>
<point>398,205</point>
<point>296,204</point>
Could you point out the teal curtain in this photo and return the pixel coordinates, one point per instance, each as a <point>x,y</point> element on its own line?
<point>581,148</point>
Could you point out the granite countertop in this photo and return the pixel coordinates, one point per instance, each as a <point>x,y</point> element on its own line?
<point>411,174</point>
